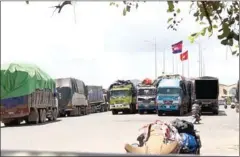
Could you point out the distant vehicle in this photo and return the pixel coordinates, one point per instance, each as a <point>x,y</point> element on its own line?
<point>207,91</point>
<point>72,97</point>
<point>97,100</point>
<point>172,96</point>
<point>122,95</point>
<point>146,98</point>
<point>222,102</point>
<point>237,92</point>
<point>233,105</point>
<point>27,94</point>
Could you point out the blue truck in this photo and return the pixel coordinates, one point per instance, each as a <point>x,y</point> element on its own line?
<point>146,98</point>
<point>172,96</point>
<point>97,100</point>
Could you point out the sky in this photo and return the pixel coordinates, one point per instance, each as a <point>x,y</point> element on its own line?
<point>98,45</point>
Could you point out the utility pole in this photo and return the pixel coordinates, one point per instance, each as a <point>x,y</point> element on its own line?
<point>155,47</point>
<point>199,56</point>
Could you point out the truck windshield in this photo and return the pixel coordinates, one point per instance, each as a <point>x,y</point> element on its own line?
<point>168,90</point>
<point>146,92</point>
<point>119,93</point>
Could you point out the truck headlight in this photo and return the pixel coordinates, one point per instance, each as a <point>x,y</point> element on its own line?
<point>179,100</point>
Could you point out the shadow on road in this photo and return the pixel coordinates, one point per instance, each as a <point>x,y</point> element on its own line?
<point>33,125</point>
<point>220,113</point>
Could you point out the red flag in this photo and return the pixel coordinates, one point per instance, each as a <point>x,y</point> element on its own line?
<point>184,56</point>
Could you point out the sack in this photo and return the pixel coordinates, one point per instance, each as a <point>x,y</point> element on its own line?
<point>189,143</point>
<point>158,138</point>
<point>184,126</point>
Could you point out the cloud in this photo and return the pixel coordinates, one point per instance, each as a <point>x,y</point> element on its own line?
<point>102,45</point>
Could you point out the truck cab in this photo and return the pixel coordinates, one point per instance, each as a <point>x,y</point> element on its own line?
<point>122,99</point>
<point>146,99</point>
<point>172,96</point>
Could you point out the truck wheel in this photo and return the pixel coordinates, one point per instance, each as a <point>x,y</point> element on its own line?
<point>12,123</point>
<point>55,114</point>
<point>215,112</point>
<point>159,113</point>
<point>114,112</point>
<point>40,115</point>
<point>79,111</point>
<point>141,111</point>
<point>180,112</point>
<point>44,115</point>
<point>33,117</point>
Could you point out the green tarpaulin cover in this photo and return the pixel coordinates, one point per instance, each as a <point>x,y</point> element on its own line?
<point>23,79</point>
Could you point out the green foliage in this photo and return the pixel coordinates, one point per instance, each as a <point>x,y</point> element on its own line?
<point>221,17</point>
<point>215,15</point>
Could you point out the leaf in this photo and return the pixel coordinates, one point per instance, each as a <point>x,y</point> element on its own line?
<point>224,42</point>
<point>170,6</point>
<point>170,19</point>
<point>230,42</point>
<point>194,34</point>
<point>202,23</point>
<point>178,10</point>
<point>203,32</point>
<point>234,52</point>
<point>215,26</point>
<point>136,5</point>
<point>124,12</point>
<point>128,8</point>
<point>226,31</point>
<point>209,29</point>
<point>111,3</point>
<point>191,39</point>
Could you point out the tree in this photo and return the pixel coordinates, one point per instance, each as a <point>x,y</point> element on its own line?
<point>220,16</point>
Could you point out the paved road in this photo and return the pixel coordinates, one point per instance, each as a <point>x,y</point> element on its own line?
<point>104,132</point>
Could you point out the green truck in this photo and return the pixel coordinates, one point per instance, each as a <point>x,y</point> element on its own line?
<point>123,96</point>
<point>27,94</point>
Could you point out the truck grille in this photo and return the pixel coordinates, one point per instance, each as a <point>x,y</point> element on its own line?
<point>168,102</point>
<point>119,101</point>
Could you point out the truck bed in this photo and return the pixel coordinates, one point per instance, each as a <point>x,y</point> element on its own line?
<point>95,94</point>
<point>206,89</point>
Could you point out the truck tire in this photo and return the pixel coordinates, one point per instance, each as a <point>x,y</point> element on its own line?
<point>55,114</point>
<point>41,115</point>
<point>12,123</point>
<point>141,111</point>
<point>114,112</point>
<point>33,117</point>
<point>215,112</point>
<point>159,113</point>
<point>180,112</point>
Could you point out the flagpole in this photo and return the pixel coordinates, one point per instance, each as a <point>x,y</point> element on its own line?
<point>182,68</point>
<point>173,63</point>
<point>176,65</point>
<point>188,68</point>
<point>164,61</point>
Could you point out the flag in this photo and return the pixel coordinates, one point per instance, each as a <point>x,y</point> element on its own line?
<point>184,56</point>
<point>177,47</point>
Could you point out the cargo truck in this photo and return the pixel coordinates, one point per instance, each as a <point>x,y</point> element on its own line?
<point>97,100</point>
<point>122,95</point>
<point>72,97</point>
<point>27,94</point>
<point>172,96</point>
<point>207,91</point>
<point>146,98</point>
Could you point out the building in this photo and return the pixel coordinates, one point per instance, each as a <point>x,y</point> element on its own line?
<point>227,90</point>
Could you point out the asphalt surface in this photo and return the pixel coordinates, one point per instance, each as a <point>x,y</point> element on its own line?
<point>107,133</point>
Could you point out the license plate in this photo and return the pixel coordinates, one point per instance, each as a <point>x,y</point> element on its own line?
<point>167,106</point>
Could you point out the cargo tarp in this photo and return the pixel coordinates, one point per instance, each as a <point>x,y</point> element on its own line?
<point>23,79</point>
